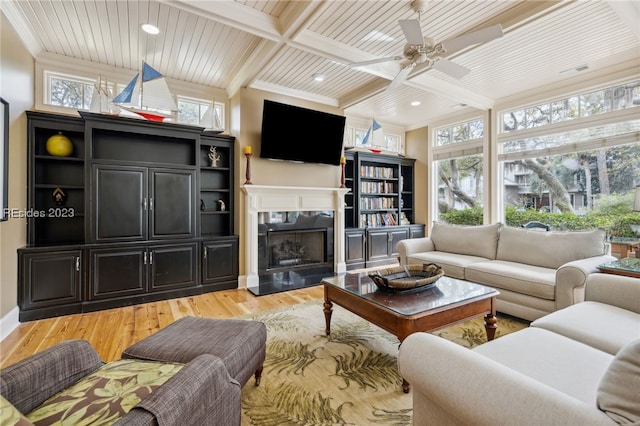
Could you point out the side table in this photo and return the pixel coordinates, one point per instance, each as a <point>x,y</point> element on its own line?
<point>629,267</point>
<point>620,247</point>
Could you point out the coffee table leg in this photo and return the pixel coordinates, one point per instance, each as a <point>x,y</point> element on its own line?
<point>328,310</point>
<point>490,325</point>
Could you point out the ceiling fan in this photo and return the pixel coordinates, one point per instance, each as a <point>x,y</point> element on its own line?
<point>419,49</point>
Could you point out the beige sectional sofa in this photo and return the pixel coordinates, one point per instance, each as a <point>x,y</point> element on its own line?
<point>577,366</point>
<point>536,272</point>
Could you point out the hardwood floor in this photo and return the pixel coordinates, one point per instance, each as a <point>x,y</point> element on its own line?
<point>111,331</point>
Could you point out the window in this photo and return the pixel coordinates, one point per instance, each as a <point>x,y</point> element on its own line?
<point>200,112</point>
<point>68,91</point>
<point>459,172</point>
<point>585,105</point>
<point>581,156</point>
<point>355,137</point>
<point>77,93</point>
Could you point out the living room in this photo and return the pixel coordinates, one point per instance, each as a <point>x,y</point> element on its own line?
<point>22,85</point>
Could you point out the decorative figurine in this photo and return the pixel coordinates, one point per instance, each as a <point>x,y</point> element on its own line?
<point>221,206</point>
<point>214,156</point>
<point>201,204</point>
<point>59,196</point>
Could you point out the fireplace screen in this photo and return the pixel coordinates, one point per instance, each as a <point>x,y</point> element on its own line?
<point>304,241</point>
<point>304,247</point>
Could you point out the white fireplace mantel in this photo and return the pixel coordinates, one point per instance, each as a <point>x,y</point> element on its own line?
<point>263,198</point>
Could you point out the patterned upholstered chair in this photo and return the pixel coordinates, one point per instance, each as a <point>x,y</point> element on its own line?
<point>70,381</point>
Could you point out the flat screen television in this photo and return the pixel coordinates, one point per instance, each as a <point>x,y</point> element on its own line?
<point>292,133</point>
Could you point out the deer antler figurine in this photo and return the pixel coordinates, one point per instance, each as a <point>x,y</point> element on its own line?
<point>214,156</point>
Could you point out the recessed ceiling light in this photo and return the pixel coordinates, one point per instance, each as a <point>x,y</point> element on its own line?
<point>460,105</point>
<point>150,29</point>
<point>319,76</point>
<point>415,103</point>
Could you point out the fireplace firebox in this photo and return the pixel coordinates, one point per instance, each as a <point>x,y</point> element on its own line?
<point>294,240</point>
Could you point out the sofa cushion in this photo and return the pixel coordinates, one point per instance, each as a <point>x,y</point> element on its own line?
<point>600,325</point>
<point>480,241</point>
<point>571,367</point>
<point>105,395</point>
<point>549,249</point>
<point>453,264</point>
<point>619,389</point>
<point>521,278</point>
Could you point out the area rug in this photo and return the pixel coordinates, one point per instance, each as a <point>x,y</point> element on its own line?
<point>348,378</point>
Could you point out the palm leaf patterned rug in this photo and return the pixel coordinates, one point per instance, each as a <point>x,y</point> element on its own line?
<point>347,378</point>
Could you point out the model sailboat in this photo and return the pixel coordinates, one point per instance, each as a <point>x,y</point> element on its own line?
<point>210,119</point>
<point>150,91</point>
<point>100,97</point>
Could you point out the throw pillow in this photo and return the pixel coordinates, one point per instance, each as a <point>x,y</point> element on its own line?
<point>105,395</point>
<point>619,389</point>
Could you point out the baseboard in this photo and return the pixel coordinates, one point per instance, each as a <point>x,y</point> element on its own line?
<point>9,322</point>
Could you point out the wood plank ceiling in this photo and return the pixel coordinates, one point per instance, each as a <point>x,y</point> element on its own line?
<point>279,45</point>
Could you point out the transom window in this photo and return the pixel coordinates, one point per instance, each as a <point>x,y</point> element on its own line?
<point>74,92</point>
<point>601,101</point>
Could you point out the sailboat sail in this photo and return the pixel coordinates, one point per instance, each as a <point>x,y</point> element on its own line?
<point>210,119</point>
<point>151,91</point>
<point>128,93</point>
<point>99,97</point>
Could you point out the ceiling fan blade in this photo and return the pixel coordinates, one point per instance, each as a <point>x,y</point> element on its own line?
<point>375,61</point>
<point>451,68</point>
<point>475,37</point>
<point>412,31</point>
<point>401,76</point>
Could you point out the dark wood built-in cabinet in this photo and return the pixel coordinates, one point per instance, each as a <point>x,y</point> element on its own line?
<point>145,216</point>
<point>379,209</point>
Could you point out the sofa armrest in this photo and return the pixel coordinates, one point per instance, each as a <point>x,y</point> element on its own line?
<point>571,278</point>
<point>201,393</point>
<point>616,290</point>
<point>461,386</point>
<point>31,381</point>
<point>414,245</point>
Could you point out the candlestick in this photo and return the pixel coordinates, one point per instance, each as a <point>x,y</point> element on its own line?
<point>342,176</point>
<point>248,170</point>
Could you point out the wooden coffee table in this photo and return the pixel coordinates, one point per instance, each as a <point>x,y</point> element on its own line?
<point>448,302</point>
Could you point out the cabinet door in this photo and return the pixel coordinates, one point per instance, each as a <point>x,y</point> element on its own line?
<point>377,244</point>
<point>220,261</point>
<point>118,272</point>
<point>173,266</point>
<point>120,212</point>
<point>171,203</point>
<point>396,235</point>
<point>50,279</point>
<point>355,246</point>
<point>416,231</point>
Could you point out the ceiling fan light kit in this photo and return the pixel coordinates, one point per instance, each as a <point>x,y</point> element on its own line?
<point>420,50</point>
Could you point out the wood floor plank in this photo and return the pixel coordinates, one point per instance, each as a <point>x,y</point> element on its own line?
<point>112,330</point>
